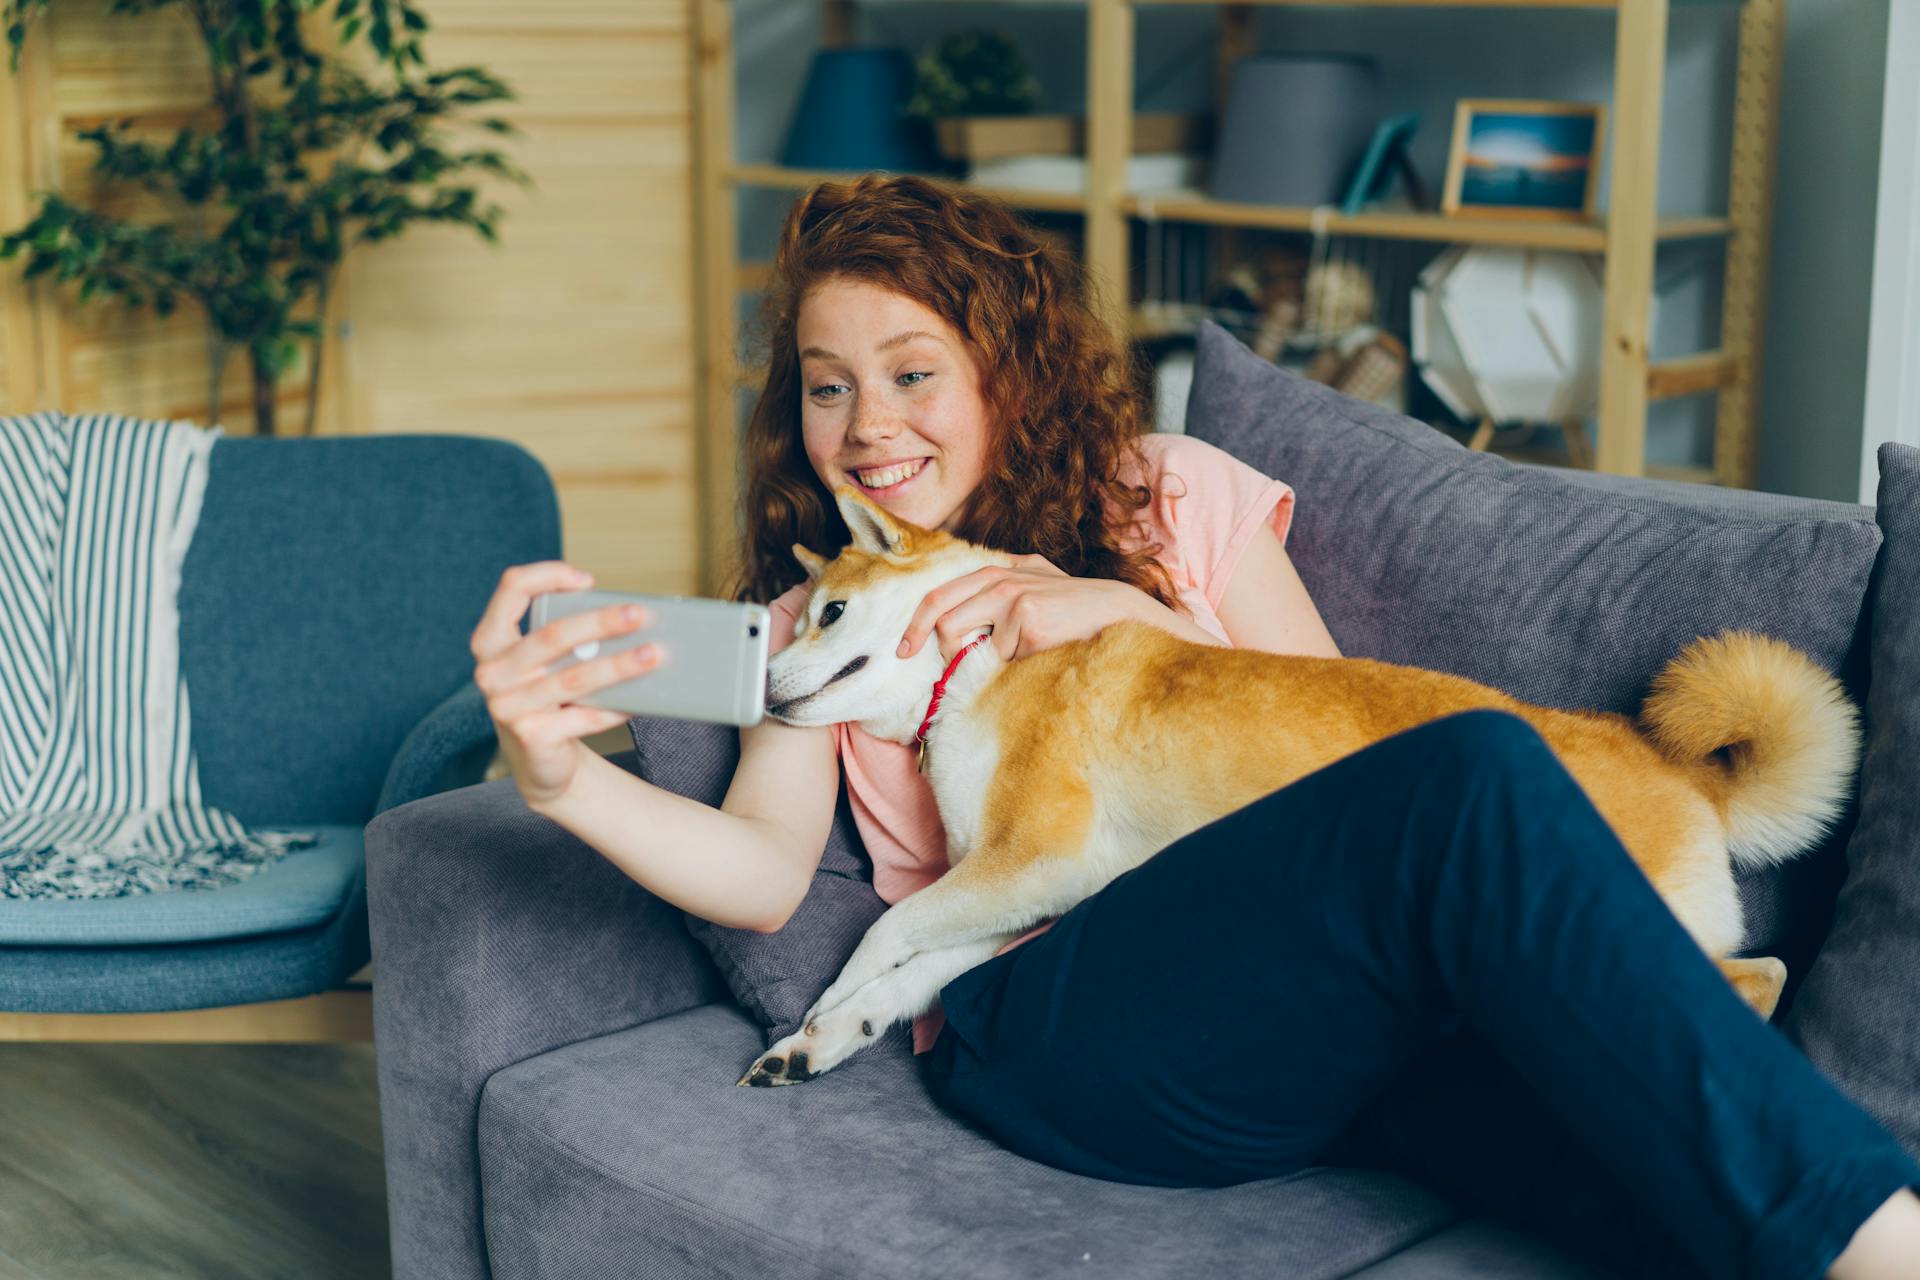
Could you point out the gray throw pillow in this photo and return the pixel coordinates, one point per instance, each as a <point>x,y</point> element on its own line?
<point>1561,587</point>
<point>1858,1014</point>
<point>776,976</point>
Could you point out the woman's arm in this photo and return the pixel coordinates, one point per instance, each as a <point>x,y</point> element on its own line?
<point>1034,605</point>
<point>745,865</point>
<point>1178,623</point>
<point>1266,606</point>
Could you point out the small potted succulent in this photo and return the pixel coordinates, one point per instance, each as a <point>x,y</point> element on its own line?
<point>967,86</point>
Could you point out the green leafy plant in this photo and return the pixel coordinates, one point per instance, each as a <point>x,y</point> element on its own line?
<point>973,73</point>
<point>302,157</point>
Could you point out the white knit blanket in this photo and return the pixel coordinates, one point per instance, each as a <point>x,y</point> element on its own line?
<point>99,787</point>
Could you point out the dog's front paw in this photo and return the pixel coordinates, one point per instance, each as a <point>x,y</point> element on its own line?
<point>793,1060</point>
<point>820,1045</point>
<point>777,1068</point>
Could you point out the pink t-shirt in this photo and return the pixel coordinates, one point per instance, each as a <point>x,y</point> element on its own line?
<point>1204,521</point>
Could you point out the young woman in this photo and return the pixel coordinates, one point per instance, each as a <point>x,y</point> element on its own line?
<point>1433,956</point>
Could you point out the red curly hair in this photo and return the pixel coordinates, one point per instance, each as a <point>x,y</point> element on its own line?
<point>1066,404</point>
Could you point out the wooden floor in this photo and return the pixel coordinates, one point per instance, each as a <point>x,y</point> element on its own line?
<point>204,1162</point>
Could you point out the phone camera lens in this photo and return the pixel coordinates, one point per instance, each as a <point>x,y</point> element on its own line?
<point>753,629</point>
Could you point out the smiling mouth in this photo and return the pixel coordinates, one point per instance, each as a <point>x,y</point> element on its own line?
<point>900,476</point>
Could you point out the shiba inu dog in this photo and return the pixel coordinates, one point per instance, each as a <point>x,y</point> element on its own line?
<point>1055,773</point>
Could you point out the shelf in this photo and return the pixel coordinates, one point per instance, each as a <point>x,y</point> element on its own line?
<point>1113,210</point>
<point>1579,236</point>
<point>774,175</point>
<point>1666,379</point>
<point>1690,375</point>
<point>1197,207</point>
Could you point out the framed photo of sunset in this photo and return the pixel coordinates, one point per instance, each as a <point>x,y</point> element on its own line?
<point>1514,158</point>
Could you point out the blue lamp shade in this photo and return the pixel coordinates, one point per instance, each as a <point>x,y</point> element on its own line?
<point>849,115</point>
<point>1295,127</point>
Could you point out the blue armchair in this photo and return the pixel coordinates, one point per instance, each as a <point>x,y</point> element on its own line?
<point>326,605</point>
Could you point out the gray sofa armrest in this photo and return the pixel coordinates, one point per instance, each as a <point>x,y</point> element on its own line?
<point>449,747</point>
<point>497,936</point>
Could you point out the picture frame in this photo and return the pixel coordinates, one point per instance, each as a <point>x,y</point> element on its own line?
<point>1524,159</point>
<point>1387,154</point>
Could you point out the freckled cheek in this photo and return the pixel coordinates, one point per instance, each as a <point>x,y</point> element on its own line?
<point>818,444</point>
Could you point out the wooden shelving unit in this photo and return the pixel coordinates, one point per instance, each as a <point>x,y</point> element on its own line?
<point>1628,236</point>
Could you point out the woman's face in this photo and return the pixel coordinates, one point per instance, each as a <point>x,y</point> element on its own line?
<point>884,381</point>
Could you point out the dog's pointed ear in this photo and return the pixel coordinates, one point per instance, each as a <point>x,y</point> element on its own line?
<point>873,528</point>
<point>813,564</point>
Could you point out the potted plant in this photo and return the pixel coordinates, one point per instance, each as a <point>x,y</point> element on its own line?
<point>302,156</point>
<point>967,75</point>
<point>975,88</point>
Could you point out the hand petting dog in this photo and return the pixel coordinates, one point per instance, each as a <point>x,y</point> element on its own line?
<point>1032,607</point>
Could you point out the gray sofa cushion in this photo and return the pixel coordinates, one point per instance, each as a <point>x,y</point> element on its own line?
<point>1858,1014</point>
<point>776,976</point>
<point>605,1157</point>
<point>1561,587</point>
<point>1480,1248</point>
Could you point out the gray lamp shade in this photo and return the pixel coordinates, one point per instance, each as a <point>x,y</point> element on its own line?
<point>849,115</point>
<point>1295,127</point>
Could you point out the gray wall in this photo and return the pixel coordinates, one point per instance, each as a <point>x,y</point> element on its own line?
<point>1814,389</point>
<point>1830,111</point>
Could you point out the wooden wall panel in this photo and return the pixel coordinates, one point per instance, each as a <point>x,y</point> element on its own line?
<point>572,337</point>
<point>107,67</point>
<point>83,66</point>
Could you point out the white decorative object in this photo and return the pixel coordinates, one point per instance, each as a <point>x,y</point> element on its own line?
<point>1435,354</point>
<point>1168,172</point>
<point>1510,335</point>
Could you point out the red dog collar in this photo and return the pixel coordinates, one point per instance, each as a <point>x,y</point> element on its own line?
<point>939,689</point>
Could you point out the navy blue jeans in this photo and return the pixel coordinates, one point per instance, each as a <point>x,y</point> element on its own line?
<point>1433,957</point>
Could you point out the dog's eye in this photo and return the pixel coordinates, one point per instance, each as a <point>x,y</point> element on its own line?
<point>832,611</point>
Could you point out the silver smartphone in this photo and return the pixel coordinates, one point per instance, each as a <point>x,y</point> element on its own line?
<point>713,655</point>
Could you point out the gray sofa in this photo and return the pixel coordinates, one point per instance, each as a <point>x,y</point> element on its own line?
<point>557,1051</point>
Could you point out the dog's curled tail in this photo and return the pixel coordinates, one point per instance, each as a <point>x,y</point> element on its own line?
<point>1781,730</point>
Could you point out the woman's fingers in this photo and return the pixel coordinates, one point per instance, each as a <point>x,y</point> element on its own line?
<point>931,606</point>
<point>578,633</point>
<point>983,609</point>
<point>533,654</point>
<point>499,626</point>
<point>569,685</point>
<point>944,599</point>
<point>1006,639</point>
<point>945,610</point>
<point>573,721</point>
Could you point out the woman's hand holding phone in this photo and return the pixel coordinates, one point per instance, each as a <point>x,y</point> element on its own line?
<point>536,711</point>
